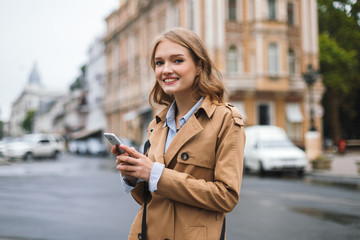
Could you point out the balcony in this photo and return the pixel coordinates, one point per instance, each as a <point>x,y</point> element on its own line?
<point>236,83</point>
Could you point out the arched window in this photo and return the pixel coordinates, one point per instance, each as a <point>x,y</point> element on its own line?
<point>272,9</point>
<point>190,18</point>
<point>232,10</point>
<point>290,13</point>
<point>273,58</point>
<point>291,62</point>
<point>232,60</point>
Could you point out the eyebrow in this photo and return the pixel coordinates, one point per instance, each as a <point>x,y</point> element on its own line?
<point>172,56</point>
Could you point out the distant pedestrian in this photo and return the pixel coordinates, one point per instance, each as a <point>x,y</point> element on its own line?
<point>192,168</point>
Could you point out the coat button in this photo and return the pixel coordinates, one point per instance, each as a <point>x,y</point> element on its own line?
<point>184,156</point>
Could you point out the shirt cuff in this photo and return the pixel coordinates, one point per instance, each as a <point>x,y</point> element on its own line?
<point>127,185</point>
<point>155,176</point>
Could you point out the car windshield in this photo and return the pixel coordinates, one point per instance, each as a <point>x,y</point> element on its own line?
<point>28,138</point>
<point>276,143</point>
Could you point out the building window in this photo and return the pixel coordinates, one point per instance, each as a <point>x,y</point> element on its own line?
<point>273,59</point>
<point>232,60</point>
<point>264,113</point>
<point>292,63</point>
<point>290,13</point>
<point>232,10</point>
<point>251,11</point>
<point>176,16</point>
<point>191,14</point>
<point>272,9</point>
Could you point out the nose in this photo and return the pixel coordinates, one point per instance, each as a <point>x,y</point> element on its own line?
<point>167,69</point>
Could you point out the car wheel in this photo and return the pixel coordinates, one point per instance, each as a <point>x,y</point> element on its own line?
<point>262,171</point>
<point>28,156</point>
<point>246,168</point>
<point>300,173</point>
<point>56,155</point>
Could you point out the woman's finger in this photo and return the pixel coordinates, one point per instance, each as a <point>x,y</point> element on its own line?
<point>131,151</point>
<point>127,160</point>
<point>114,150</point>
<point>126,169</point>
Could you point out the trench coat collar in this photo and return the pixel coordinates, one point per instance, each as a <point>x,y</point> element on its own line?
<point>207,106</point>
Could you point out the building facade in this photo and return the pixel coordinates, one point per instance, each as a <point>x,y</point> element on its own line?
<point>95,78</point>
<point>33,97</point>
<point>261,47</point>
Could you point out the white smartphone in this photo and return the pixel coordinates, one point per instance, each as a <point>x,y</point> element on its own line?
<point>114,140</point>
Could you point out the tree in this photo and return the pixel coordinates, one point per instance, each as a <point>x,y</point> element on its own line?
<point>80,81</point>
<point>28,123</point>
<point>1,129</point>
<point>339,65</point>
<point>336,65</point>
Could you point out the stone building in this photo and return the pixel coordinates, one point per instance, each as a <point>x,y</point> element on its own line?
<point>261,47</point>
<point>33,97</point>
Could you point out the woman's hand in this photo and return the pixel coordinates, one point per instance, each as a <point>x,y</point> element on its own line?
<point>133,164</point>
<point>117,153</point>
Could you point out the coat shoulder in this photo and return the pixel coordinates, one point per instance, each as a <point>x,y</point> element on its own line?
<point>230,111</point>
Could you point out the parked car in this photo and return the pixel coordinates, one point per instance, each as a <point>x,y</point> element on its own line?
<point>268,149</point>
<point>96,147</point>
<point>77,146</point>
<point>3,143</point>
<point>35,146</point>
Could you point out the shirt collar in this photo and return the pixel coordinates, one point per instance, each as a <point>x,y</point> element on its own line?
<point>207,106</point>
<point>170,116</point>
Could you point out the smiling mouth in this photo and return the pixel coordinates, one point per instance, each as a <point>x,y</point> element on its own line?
<point>170,80</point>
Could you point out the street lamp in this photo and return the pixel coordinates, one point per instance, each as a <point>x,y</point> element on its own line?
<point>310,78</point>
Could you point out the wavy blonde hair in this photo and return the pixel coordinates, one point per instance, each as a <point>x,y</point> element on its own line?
<point>207,83</point>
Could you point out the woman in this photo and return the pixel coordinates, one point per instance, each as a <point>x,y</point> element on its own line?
<point>193,166</point>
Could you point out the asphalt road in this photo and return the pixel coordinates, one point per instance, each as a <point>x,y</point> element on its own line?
<point>81,198</point>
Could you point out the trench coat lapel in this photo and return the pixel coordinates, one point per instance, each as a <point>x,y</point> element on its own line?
<point>190,129</point>
<point>159,137</point>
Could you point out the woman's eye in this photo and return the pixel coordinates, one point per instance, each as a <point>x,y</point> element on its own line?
<point>158,63</point>
<point>179,61</point>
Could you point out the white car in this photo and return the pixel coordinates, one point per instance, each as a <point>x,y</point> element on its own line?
<point>78,146</point>
<point>268,149</point>
<point>96,147</point>
<point>35,146</point>
<point>3,143</point>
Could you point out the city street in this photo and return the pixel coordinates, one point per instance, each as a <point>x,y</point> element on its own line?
<point>78,197</point>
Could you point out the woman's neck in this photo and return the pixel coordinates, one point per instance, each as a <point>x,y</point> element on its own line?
<point>183,105</point>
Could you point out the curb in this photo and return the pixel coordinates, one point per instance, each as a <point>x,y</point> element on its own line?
<point>351,182</point>
<point>3,162</point>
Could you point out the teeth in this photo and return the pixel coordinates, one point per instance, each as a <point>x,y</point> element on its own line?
<point>171,80</point>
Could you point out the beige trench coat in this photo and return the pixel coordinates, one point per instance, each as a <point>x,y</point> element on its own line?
<point>202,178</point>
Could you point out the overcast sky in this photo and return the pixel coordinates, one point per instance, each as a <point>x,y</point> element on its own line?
<point>54,34</point>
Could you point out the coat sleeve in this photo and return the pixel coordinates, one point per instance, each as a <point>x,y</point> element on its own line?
<point>138,192</point>
<point>222,194</point>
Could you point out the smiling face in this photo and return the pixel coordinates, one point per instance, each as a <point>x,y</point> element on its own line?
<point>175,69</point>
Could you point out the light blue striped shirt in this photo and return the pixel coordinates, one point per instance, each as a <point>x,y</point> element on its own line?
<point>170,122</point>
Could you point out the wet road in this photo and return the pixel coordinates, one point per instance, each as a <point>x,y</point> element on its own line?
<point>81,198</point>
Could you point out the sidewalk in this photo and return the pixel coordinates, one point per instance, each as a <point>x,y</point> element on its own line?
<point>343,170</point>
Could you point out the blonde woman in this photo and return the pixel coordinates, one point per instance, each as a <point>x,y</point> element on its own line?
<point>192,168</point>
